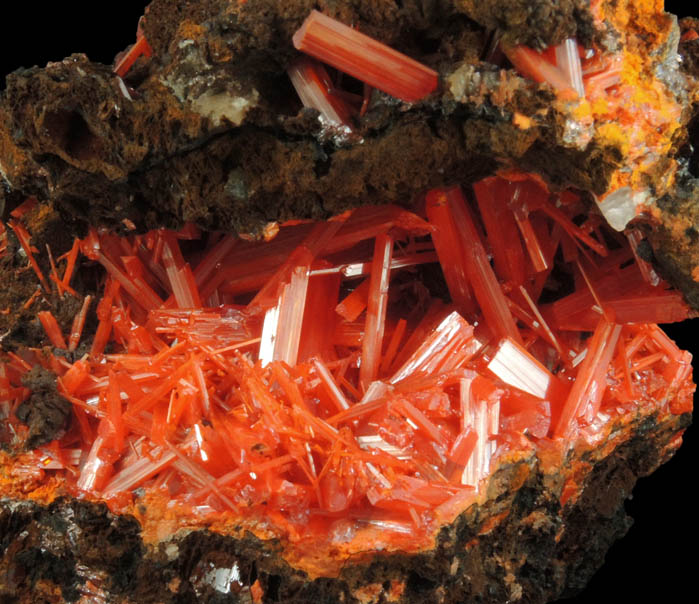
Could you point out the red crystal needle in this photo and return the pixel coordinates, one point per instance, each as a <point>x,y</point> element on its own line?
<point>364,58</point>
<point>446,242</point>
<point>476,265</point>
<point>141,47</point>
<point>532,64</point>
<point>306,421</point>
<point>52,329</point>
<point>590,383</point>
<point>376,310</point>
<point>493,196</point>
<point>355,302</point>
<point>78,324</point>
<point>24,239</point>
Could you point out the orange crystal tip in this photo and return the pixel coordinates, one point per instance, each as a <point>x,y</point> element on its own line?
<point>140,48</point>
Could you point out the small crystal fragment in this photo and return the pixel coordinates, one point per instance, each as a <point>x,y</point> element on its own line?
<point>590,384</point>
<point>619,207</point>
<point>52,329</point>
<point>140,48</point>
<point>314,88</point>
<point>532,64</point>
<point>514,365</point>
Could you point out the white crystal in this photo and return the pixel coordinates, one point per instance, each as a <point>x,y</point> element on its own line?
<point>619,207</point>
<point>224,106</point>
<point>221,579</point>
<point>269,331</point>
<point>568,60</point>
<point>516,367</point>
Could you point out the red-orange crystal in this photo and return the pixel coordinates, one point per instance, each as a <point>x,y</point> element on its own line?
<point>139,49</point>
<point>364,58</point>
<point>313,85</point>
<point>262,379</point>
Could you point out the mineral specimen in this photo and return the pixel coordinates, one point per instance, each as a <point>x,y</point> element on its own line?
<point>378,325</point>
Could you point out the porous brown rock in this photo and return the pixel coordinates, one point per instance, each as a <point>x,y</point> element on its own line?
<point>166,155</point>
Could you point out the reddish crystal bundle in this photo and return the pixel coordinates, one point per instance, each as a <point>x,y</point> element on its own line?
<point>313,379</point>
<point>364,58</point>
<point>569,68</point>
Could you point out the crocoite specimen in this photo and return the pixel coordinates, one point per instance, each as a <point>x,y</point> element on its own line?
<point>340,431</point>
<point>372,408</point>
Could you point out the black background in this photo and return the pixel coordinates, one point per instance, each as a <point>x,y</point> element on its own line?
<point>657,559</point>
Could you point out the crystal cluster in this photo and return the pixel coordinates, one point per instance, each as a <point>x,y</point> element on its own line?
<point>360,384</point>
<point>313,380</point>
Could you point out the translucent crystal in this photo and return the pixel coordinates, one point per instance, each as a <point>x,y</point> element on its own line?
<point>514,365</point>
<point>269,380</point>
<point>619,207</point>
<point>534,65</point>
<point>364,58</point>
<point>52,329</point>
<point>568,61</point>
<point>140,48</point>
<point>314,88</point>
<point>448,346</point>
<point>376,310</point>
<point>591,382</point>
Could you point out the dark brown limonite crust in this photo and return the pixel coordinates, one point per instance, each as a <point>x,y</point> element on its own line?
<point>69,135</point>
<point>674,237</point>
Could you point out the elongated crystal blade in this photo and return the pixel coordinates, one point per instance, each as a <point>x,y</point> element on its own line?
<point>448,346</point>
<point>52,329</point>
<point>364,58</point>
<point>446,242</point>
<point>568,61</point>
<point>590,382</point>
<point>314,88</point>
<point>532,64</point>
<point>493,195</point>
<point>291,311</point>
<point>140,48</point>
<point>477,266</point>
<point>376,310</point>
<point>269,335</point>
<point>138,472</point>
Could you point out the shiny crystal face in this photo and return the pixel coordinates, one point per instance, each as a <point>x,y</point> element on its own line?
<point>366,372</point>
